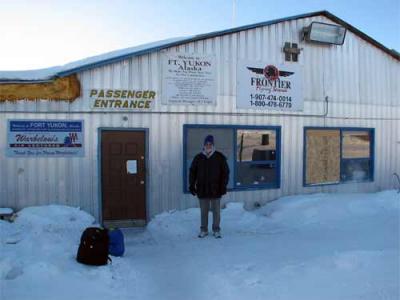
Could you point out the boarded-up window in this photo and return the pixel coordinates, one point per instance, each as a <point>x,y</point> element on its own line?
<point>322,156</point>
<point>326,162</point>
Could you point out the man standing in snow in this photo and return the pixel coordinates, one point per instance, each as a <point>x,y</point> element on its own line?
<point>209,175</point>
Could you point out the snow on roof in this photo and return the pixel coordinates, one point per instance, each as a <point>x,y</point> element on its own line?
<point>73,67</point>
<point>30,75</point>
<point>118,55</point>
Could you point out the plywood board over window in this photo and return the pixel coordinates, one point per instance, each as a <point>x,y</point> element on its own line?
<point>322,156</point>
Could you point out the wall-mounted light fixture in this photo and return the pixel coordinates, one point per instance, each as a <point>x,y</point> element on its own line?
<point>324,33</point>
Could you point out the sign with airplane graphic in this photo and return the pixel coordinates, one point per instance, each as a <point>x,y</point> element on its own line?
<point>264,86</point>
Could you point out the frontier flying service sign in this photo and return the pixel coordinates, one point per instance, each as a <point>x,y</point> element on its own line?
<point>264,86</point>
<point>117,99</point>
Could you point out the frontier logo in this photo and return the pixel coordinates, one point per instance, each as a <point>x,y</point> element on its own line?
<point>270,72</point>
<point>271,79</point>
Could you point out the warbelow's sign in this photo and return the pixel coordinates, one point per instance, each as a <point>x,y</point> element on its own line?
<point>45,138</point>
<point>264,86</point>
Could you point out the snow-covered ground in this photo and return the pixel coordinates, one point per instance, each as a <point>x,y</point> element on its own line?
<point>321,246</point>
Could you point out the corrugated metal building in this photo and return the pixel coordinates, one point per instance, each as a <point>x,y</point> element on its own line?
<point>344,138</point>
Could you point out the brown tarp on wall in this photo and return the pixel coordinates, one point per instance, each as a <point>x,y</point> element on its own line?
<point>322,156</point>
<point>66,88</point>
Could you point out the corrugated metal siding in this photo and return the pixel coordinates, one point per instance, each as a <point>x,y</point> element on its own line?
<point>360,80</point>
<point>74,181</point>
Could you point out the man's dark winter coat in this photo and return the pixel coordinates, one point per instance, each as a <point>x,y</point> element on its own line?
<point>209,176</point>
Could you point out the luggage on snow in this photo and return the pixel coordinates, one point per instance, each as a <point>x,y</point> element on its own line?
<point>116,242</point>
<point>93,249</point>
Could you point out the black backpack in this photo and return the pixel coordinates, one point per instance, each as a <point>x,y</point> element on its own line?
<point>93,249</point>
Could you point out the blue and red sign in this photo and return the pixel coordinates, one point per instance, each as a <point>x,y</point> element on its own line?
<point>44,138</point>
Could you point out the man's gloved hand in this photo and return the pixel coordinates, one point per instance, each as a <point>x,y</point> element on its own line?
<point>192,190</point>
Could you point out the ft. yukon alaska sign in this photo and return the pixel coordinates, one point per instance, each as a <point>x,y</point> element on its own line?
<point>109,99</point>
<point>45,138</point>
<point>189,79</point>
<point>263,86</point>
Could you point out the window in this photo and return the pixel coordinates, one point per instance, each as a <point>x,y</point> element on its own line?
<point>223,139</point>
<point>335,155</point>
<point>252,153</point>
<point>356,156</point>
<point>255,157</point>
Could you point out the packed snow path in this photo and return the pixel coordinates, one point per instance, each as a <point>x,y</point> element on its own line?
<point>321,246</point>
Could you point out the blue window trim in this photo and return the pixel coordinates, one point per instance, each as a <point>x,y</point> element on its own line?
<point>258,162</point>
<point>274,185</point>
<point>341,129</point>
<point>356,158</point>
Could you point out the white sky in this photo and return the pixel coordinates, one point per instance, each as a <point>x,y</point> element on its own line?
<point>43,33</point>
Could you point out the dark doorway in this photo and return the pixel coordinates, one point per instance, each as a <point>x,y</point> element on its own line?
<point>123,177</point>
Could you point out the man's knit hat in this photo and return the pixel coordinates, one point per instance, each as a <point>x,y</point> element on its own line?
<point>209,139</point>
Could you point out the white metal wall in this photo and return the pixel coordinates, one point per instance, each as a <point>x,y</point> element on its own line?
<point>360,81</point>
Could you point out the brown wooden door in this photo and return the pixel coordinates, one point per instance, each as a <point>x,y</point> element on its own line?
<point>123,184</point>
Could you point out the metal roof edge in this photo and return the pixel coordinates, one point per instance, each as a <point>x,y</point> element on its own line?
<point>168,44</point>
<point>198,37</point>
<point>188,40</point>
<point>26,81</point>
<point>119,58</point>
<point>361,34</point>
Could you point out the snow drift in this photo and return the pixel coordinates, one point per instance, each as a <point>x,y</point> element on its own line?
<point>320,246</point>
